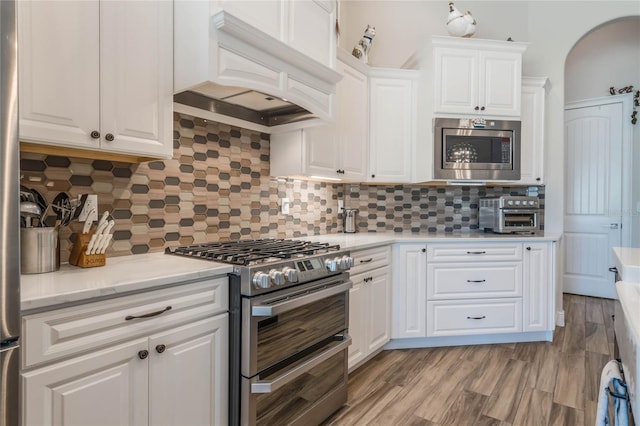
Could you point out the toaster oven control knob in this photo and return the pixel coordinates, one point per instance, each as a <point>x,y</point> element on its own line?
<point>277,277</point>
<point>261,280</point>
<point>331,264</point>
<point>290,274</point>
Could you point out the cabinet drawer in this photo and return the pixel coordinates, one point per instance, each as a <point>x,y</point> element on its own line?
<point>459,317</point>
<point>69,331</point>
<point>474,280</point>
<point>473,252</point>
<point>368,259</point>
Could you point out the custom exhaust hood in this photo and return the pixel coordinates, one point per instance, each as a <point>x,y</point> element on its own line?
<point>230,71</point>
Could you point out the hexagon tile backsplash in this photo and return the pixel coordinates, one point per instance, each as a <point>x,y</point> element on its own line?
<point>217,187</point>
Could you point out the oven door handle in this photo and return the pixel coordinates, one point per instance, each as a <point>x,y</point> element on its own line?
<point>296,302</point>
<point>268,386</point>
<point>521,211</point>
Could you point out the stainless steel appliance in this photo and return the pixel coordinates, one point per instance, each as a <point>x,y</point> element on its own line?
<point>509,213</point>
<point>476,149</point>
<point>9,220</point>
<point>289,318</point>
<point>350,217</point>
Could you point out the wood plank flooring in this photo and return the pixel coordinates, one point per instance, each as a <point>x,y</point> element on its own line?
<point>541,383</point>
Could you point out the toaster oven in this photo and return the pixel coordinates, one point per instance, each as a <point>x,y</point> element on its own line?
<point>509,214</point>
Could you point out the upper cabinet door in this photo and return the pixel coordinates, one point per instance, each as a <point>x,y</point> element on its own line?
<point>456,80</point>
<point>59,72</point>
<point>312,29</point>
<point>500,82</point>
<point>532,131</point>
<point>392,126</point>
<point>475,77</point>
<point>136,77</point>
<point>352,120</point>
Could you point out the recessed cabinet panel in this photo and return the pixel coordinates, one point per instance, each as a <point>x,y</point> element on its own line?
<point>237,68</point>
<point>59,65</point>
<point>458,72</point>
<point>311,29</point>
<point>136,85</point>
<point>462,317</point>
<point>499,83</point>
<point>474,280</point>
<point>532,131</point>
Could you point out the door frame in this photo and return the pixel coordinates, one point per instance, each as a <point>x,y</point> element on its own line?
<point>627,157</point>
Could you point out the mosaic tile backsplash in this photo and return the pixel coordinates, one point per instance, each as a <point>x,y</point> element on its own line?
<point>217,187</point>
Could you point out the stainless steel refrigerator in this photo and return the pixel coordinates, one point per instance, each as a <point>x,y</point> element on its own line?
<point>9,220</point>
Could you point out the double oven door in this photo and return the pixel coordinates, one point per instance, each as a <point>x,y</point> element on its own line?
<point>294,356</point>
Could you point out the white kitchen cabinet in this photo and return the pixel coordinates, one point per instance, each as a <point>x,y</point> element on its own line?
<point>475,77</point>
<point>307,26</point>
<point>538,283</point>
<point>489,288</point>
<point>94,364</point>
<point>409,290</point>
<point>97,76</point>
<point>392,128</point>
<point>369,304</point>
<point>532,131</point>
<point>337,150</point>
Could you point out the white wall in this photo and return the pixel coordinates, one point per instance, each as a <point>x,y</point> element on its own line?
<point>609,56</point>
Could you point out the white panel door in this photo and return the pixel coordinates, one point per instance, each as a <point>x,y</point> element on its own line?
<point>136,41</point>
<point>456,81</point>
<point>352,107</point>
<point>188,374</point>
<point>357,318</point>
<point>538,309</point>
<point>500,82</point>
<point>593,197</point>
<point>409,291</point>
<point>312,29</point>
<point>107,387</point>
<point>59,72</point>
<point>379,289</point>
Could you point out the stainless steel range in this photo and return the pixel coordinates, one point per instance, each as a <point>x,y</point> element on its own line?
<point>289,318</point>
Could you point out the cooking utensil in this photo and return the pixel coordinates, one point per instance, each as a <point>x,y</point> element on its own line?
<point>29,210</point>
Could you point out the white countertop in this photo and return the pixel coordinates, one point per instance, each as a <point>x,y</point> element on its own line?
<point>120,275</point>
<point>628,263</point>
<point>140,272</point>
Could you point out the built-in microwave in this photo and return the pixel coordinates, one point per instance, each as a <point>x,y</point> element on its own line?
<point>476,149</point>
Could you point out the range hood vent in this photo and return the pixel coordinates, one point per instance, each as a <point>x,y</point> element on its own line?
<point>228,69</point>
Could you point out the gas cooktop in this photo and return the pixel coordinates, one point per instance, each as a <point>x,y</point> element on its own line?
<point>253,252</point>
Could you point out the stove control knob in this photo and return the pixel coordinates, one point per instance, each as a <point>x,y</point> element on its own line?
<point>532,203</point>
<point>261,280</point>
<point>331,264</point>
<point>277,277</point>
<point>290,274</point>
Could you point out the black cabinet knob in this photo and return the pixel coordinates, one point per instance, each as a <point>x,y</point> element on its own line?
<point>109,137</point>
<point>482,109</point>
<point>143,354</point>
<point>95,134</point>
<point>538,179</point>
<point>424,250</point>
<point>160,348</point>
<point>373,176</point>
<point>477,108</point>
<point>529,248</point>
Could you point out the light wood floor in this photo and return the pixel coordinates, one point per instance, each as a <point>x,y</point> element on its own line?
<point>542,383</point>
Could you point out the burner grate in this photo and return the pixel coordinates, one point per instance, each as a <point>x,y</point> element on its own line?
<point>246,252</point>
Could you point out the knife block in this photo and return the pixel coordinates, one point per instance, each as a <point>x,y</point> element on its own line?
<point>78,256</point>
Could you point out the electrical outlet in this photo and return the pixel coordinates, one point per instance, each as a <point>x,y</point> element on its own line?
<point>90,210</point>
<point>284,208</point>
<point>340,206</point>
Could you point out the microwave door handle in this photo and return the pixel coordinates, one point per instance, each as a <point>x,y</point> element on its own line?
<point>268,386</point>
<point>296,302</point>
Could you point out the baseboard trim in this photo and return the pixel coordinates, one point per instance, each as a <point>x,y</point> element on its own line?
<point>432,342</point>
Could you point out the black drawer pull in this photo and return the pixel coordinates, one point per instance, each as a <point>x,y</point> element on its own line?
<point>476,281</point>
<point>477,318</point>
<point>149,315</point>
<point>476,252</point>
<point>367,260</point>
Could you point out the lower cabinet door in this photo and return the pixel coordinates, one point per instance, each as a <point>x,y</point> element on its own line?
<point>107,387</point>
<point>379,308</point>
<point>357,318</point>
<point>188,374</point>
<point>462,317</point>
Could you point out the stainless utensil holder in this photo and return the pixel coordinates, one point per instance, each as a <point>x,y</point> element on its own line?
<point>39,250</point>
